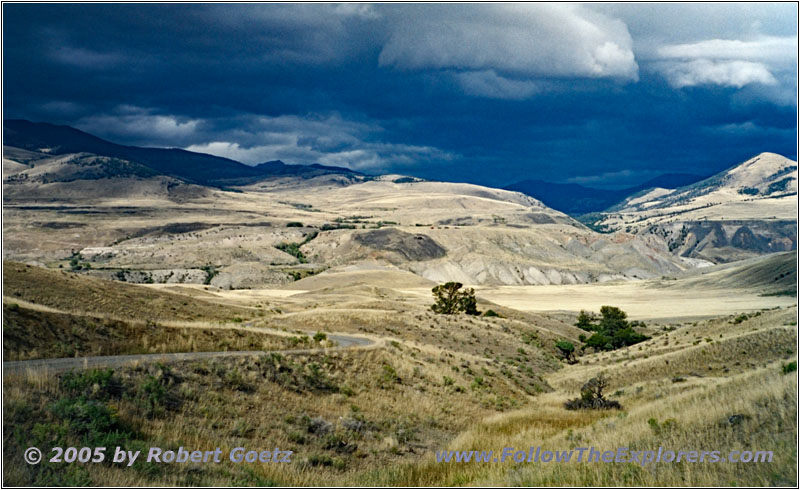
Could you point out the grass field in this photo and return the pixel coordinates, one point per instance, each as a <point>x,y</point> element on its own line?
<point>376,417</point>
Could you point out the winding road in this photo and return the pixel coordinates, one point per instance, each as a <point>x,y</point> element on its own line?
<point>343,342</point>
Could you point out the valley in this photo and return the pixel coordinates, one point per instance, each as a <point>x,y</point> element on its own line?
<point>292,308</point>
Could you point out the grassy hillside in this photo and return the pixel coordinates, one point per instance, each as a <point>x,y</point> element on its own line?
<point>71,292</point>
<point>32,334</point>
<point>770,274</point>
<point>725,385</point>
<point>376,417</point>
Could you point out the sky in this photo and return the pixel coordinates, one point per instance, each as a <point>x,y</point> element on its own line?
<point>604,95</point>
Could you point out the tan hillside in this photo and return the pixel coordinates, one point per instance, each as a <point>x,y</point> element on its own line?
<point>72,292</point>
<point>152,231</point>
<point>747,210</point>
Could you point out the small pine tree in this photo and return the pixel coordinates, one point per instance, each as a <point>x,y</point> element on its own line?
<point>449,300</point>
<point>468,303</point>
<point>612,330</point>
<point>567,350</point>
<point>586,321</point>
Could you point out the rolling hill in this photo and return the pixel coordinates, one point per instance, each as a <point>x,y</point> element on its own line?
<point>144,214</point>
<point>575,199</point>
<point>746,210</point>
<point>192,167</point>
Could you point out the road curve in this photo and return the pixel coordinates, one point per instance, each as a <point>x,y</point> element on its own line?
<point>344,342</point>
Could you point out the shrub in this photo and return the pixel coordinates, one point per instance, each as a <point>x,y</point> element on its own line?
<point>292,249</point>
<point>295,341</point>
<point>492,313</point>
<point>592,397</point>
<point>790,367</point>
<point>315,378</point>
<point>211,272</point>
<point>296,437</point>
<point>318,426</point>
<point>91,421</point>
<point>388,376</point>
<point>664,427</point>
<point>319,337</point>
<point>96,383</point>
<point>477,383</point>
<point>152,393</point>
<point>154,397</point>
<point>320,460</point>
<point>338,443</point>
<point>739,319</point>
<point>531,338</point>
<point>612,330</point>
<point>236,381</point>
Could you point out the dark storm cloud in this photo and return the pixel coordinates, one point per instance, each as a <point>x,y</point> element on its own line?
<point>602,93</point>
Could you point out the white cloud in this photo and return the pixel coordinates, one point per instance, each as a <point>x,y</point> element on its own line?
<point>326,139</point>
<point>383,156</point>
<point>329,139</point>
<point>501,41</point>
<point>724,73</point>
<point>232,150</point>
<point>727,62</point>
<point>764,49</point>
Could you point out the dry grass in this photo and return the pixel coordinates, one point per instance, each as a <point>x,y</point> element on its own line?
<point>32,334</point>
<point>437,382</point>
<point>648,300</point>
<point>381,408</point>
<point>698,411</point>
<point>71,292</point>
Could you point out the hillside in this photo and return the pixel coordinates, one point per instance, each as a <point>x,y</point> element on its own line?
<point>774,274</point>
<point>144,225</point>
<point>764,176</point>
<point>30,177</point>
<point>575,199</point>
<point>72,292</point>
<point>747,210</point>
<point>141,226</point>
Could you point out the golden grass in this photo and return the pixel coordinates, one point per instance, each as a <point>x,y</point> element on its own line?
<point>698,411</point>
<point>33,334</point>
<point>403,416</point>
<point>448,382</point>
<point>70,292</point>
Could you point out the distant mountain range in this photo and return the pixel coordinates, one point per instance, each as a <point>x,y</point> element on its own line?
<point>748,209</point>
<point>210,170</point>
<point>198,168</point>
<point>575,199</point>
